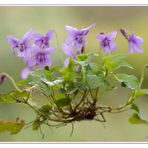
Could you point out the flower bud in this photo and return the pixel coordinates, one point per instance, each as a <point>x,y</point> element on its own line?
<point>2,78</point>
<point>123,32</point>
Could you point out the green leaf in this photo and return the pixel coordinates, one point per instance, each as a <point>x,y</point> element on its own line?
<point>82,63</point>
<point>38,80</point>
<point>13,95</point>
<point>45,109</point>
<point>129,80</point>
<point>140,92</point>
<point>12,127</point>
<point>95,81</point>
<point>51,83</point>
<point>6,98</point>
<point>22,83</point>
<point>114,62</point>
<point>84,59</point>
<point>68,73</point>
<point>73,91</point>
<point>135,107</point>
<point>61,100</point>
<point>20,95</point>
<point>96,69</point>
<point>136,119</point>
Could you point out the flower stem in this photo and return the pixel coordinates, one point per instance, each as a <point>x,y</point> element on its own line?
<point>129,101</point>
<point>142,76</point>
<point>12,81</point>
<point>61,57</point>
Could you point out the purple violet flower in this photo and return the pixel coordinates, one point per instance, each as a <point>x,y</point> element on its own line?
<point>76,37</point>
<point>20,47</point>
<point>39,57</point>
<point>134,43</point>
<point>43,41</point>
<point>68,50</point>
<point>106,42</point>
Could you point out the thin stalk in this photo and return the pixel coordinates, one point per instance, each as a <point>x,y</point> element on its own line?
<point>120,111</point>
<point>97,91</point>
<point>60,51</point>
<point>83,97</point>
<point>12,81</point>
<point>92,95</point>
<point>129,101</point>
<point>142,76</point>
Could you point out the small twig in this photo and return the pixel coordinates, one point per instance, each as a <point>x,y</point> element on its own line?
<point>60,51</point>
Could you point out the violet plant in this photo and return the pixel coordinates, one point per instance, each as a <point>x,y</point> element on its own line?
<point>73,91</point>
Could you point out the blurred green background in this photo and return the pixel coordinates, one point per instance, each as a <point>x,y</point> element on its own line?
<point>18,20</point>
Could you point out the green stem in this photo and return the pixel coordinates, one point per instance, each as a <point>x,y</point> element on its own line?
<point>100,56</point>
<point>142,76</point>
<point>83,97</point>
<point>53,98</point>
<point>129,101</point>
<point>97,90</point>
<point>60,51</point>
<point>92,95</point>
<point>12,81</point>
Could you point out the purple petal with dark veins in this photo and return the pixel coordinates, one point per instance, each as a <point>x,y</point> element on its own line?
<point>106,42</point>
<point>76,37</point>
<point>135,43</point>
<point>101,37</point>
<point>13,42</point>
<point>38,39</point>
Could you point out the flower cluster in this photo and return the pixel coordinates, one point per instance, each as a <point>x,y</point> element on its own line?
<point>34,49</point>
<point>36,55</point>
